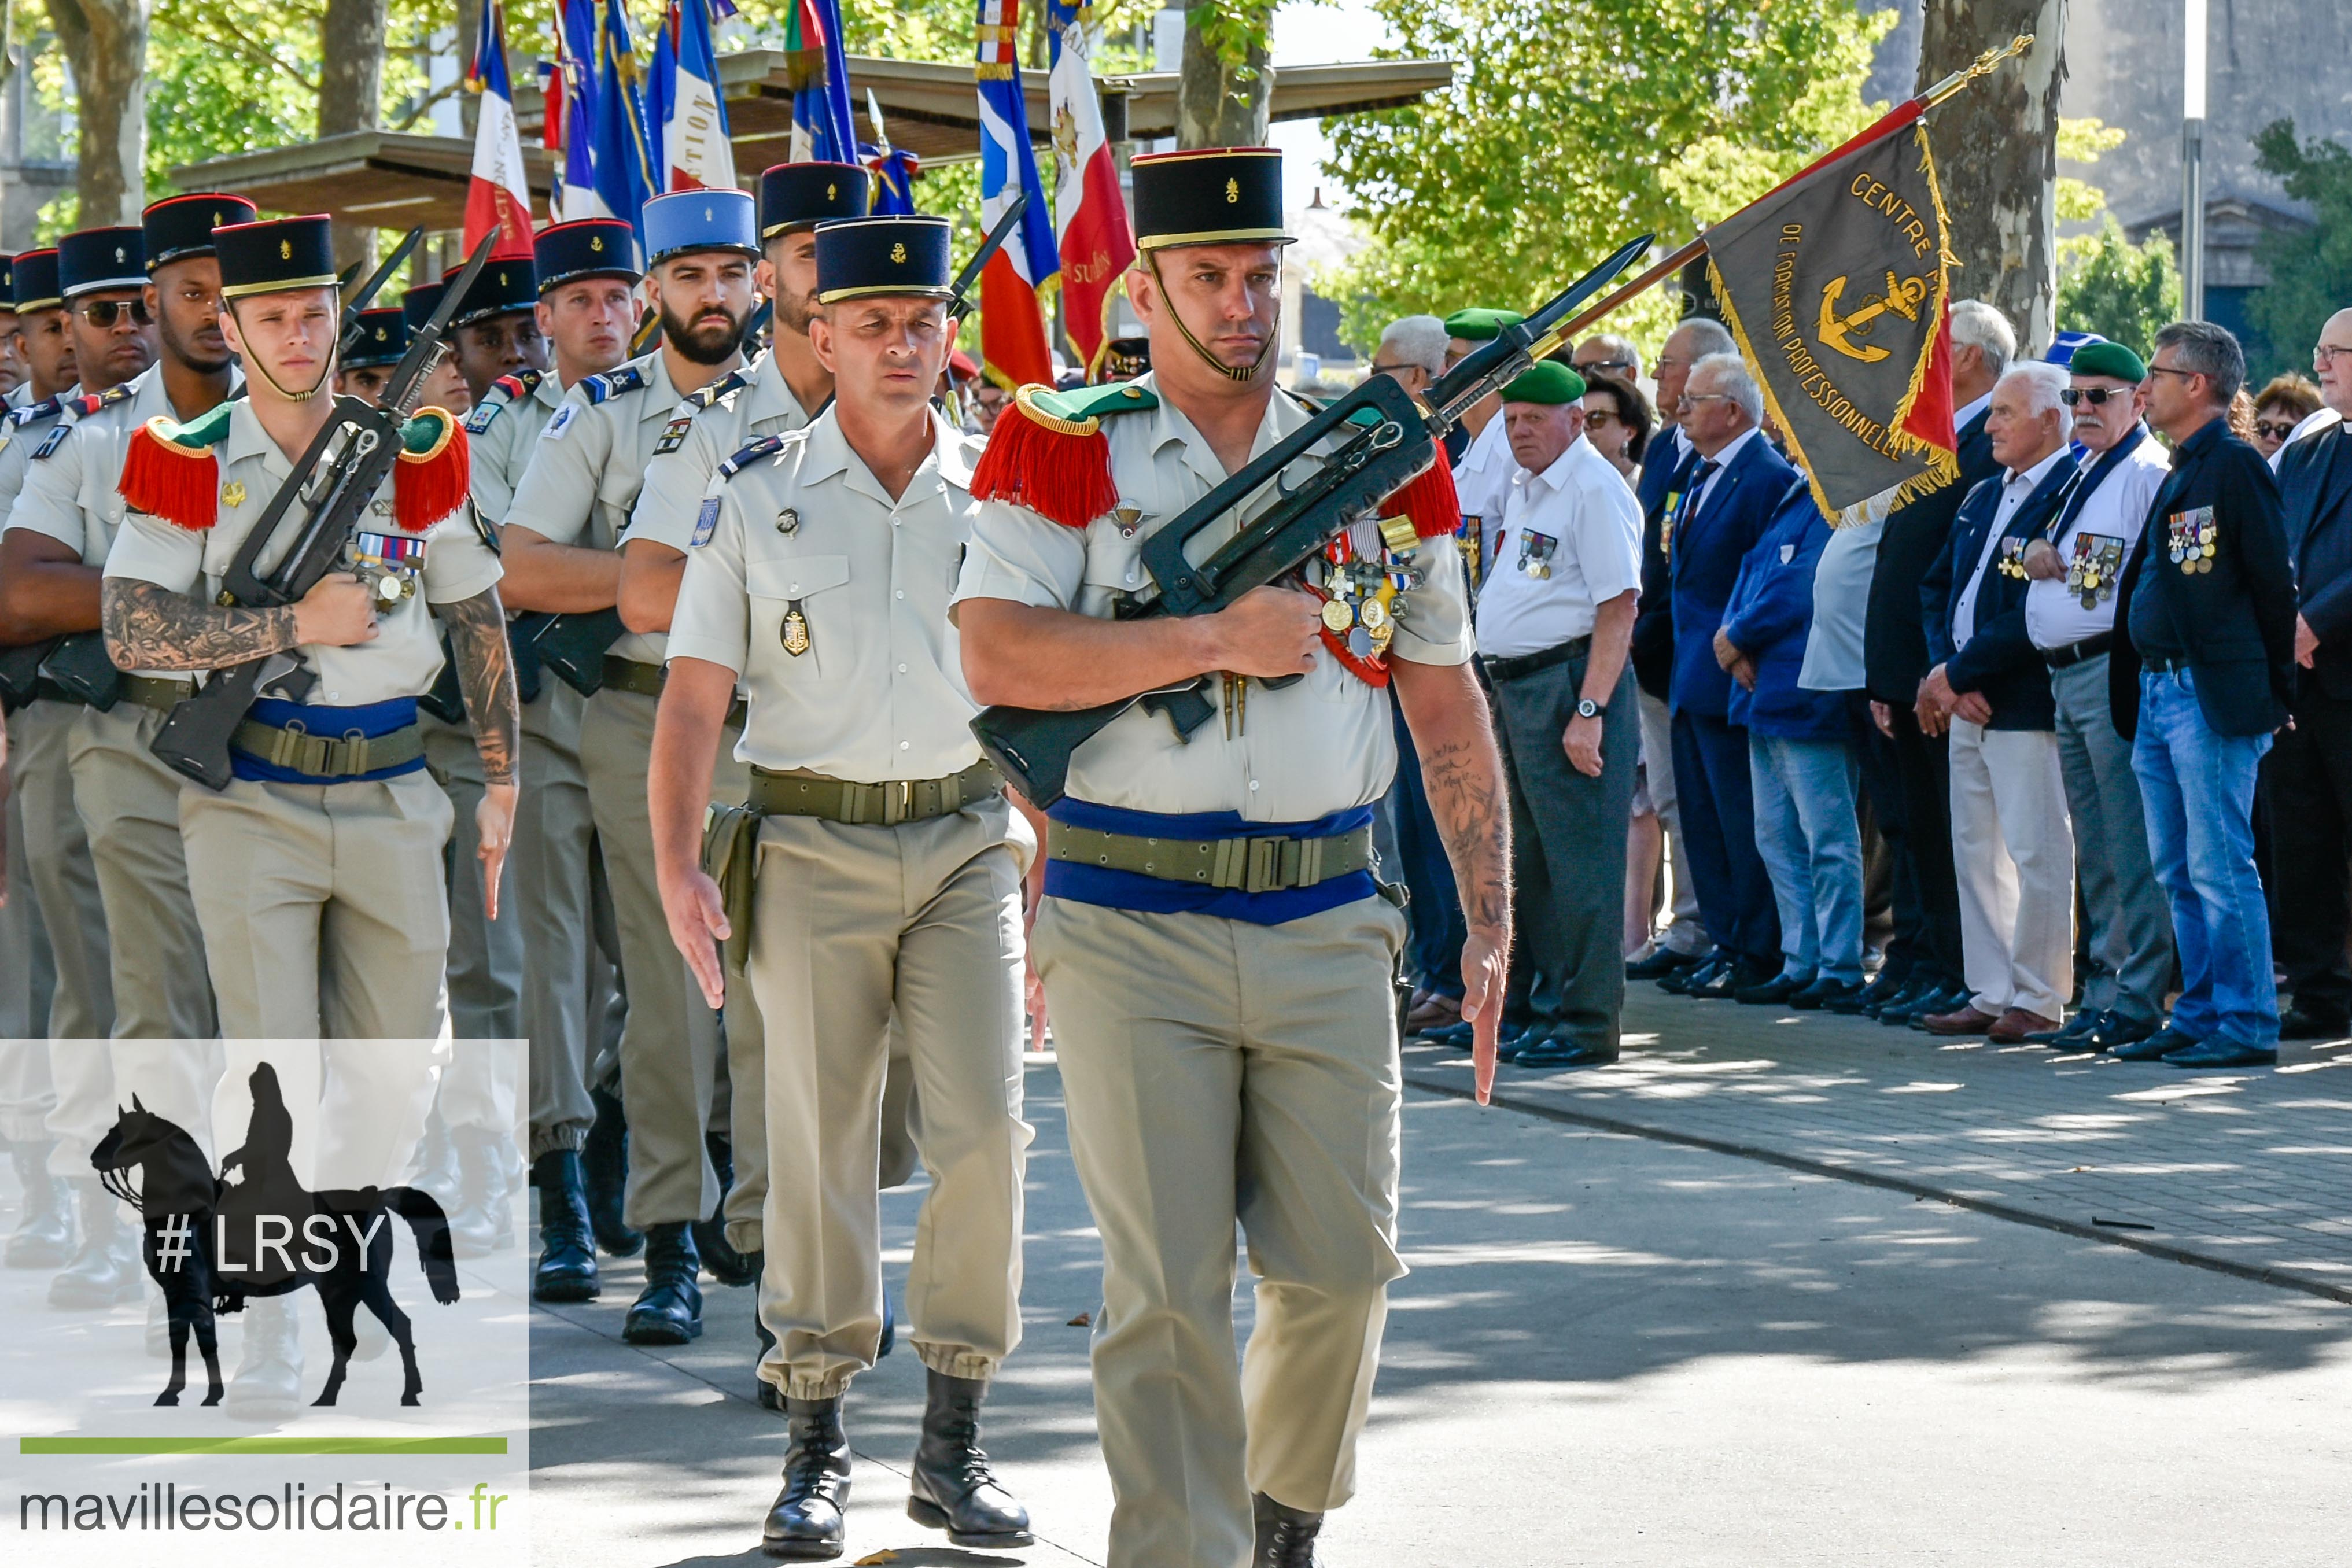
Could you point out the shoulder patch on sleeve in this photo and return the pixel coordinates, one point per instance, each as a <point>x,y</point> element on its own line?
<point>602,386</point>
<point>479,420</point>
<point>751,451</point>
<point>55,439</point>
<point>673,435</point>
<point>560,422</point>
<point>706,523</point>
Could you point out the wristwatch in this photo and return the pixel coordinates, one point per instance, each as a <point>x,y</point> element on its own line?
<point>1587,708</point>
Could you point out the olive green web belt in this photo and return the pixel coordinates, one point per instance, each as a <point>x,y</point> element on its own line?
<point>799,794</point>
<point>326,756</point>
<point>1250,866</point>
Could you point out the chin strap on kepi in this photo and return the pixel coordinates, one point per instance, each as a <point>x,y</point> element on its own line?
<point>1245,374</point>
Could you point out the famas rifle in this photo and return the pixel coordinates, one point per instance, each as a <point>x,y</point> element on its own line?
<point>1386,438</point>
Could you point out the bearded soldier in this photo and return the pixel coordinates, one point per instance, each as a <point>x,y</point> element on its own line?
<point>1228,1044</point>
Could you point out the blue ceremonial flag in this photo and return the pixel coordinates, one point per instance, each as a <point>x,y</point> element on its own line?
<point>822,131</point>
<point>624,160</point>
<point>893,167</point>
<point>571,113</point>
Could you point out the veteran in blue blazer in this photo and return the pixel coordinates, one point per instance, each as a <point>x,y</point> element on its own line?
<point>2013,841</point>
<point>1730,499</point>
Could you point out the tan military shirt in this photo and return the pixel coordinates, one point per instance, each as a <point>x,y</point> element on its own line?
<point>1319,745</point>
<point>20,437</point>
<point>805,549</point>
<point>502,433</point>
<point>588,466</point>
<point>405,655</point>
<point>696,443</point>
<point>71,495</point>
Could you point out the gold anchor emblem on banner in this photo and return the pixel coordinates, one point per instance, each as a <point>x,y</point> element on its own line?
<point>1904,296</point>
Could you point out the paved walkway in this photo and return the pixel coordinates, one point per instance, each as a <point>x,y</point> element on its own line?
<point>2250,1172</point>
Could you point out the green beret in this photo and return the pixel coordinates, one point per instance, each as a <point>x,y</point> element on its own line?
<point>1546,381</point>
<point>1478,324</point>
<point>2108,360</point>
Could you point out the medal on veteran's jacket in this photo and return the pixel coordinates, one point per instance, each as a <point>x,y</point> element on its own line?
<point>2092,570</point>
<point>2012,560</point>
<point>2191,538</point>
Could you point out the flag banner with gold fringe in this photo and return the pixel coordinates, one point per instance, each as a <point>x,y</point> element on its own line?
<point>1835,286</point>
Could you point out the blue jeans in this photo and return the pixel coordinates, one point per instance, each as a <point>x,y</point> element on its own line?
<point>2197,789</point>
<point>1812,846</point>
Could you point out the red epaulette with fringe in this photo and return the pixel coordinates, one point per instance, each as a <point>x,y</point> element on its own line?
<point>430,480</point>
<point>170,472</point>
<point>1048,451</point>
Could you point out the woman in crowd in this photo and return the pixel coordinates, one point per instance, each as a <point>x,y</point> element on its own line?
<point>2279,407</point>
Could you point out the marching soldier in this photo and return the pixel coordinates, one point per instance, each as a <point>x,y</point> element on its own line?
<point>779,393</point>
<point>562,538</point>
<point>50,561</point>
<point>1227,1050</point>
<point>317,869</point>
<point>889,869</point>
<point>585,310</point>
<point>100,276</point>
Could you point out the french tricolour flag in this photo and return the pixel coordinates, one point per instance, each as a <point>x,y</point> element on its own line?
<point>497,197</point>
<point>696,154</point>
<point>1090,224</point>
<point>1018,279</point>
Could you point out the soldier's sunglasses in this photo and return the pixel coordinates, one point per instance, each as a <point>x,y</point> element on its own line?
<point>102,314</point>
<point>2096,396</point>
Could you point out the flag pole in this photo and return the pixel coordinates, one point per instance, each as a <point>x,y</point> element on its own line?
<point>1895,119</point>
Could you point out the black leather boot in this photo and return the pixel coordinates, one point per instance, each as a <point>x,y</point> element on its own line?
<point>107,1267</point>
<point>952,1488</point>
<point>566,1269</point>
<point>725,1264</point>
<point>809,1520</point>
<point>44,1236</point>
<point>483,1220</point>
<point>669,1311</point>
<point>1286,1537</point>
<point>605,1166</point>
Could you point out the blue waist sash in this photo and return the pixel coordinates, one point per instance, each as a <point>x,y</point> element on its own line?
<point>370,719</point>
<point>1160,896</point>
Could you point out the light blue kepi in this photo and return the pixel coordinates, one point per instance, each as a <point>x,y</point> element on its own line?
<point>685,221</point>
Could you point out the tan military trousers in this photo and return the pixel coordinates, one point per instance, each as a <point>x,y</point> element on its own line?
<point>27,982</point>
<point>851,925</point>
<point>322,906</point>
<point>671,1043</point>
<point>486,956</point>
<point>554,844</point>
<point>130,804</point>
<point>57,865</point>
<point>1214,1071</point>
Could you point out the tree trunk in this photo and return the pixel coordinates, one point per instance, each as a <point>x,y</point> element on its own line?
<point>106,44</point>
<point>1223,97</point>
<point>1996,155</point>
<point>350,95</point>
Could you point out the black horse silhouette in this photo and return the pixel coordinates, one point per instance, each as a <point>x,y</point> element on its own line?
<point>339,1241</point>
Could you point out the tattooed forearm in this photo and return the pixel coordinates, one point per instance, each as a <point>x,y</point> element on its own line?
<point>152,628</point>
<point>1463,774</point>
<point>477,640</point>
<point>1464,783</point>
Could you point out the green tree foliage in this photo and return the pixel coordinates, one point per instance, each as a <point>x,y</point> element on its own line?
<point>1570,127</point>
<point>2118,289</point>
<point>2311,273</point>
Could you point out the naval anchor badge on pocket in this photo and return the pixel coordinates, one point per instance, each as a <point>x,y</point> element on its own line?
<point>2012,560</point>
<point>2093,569</point>
<point>2191,537</point>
